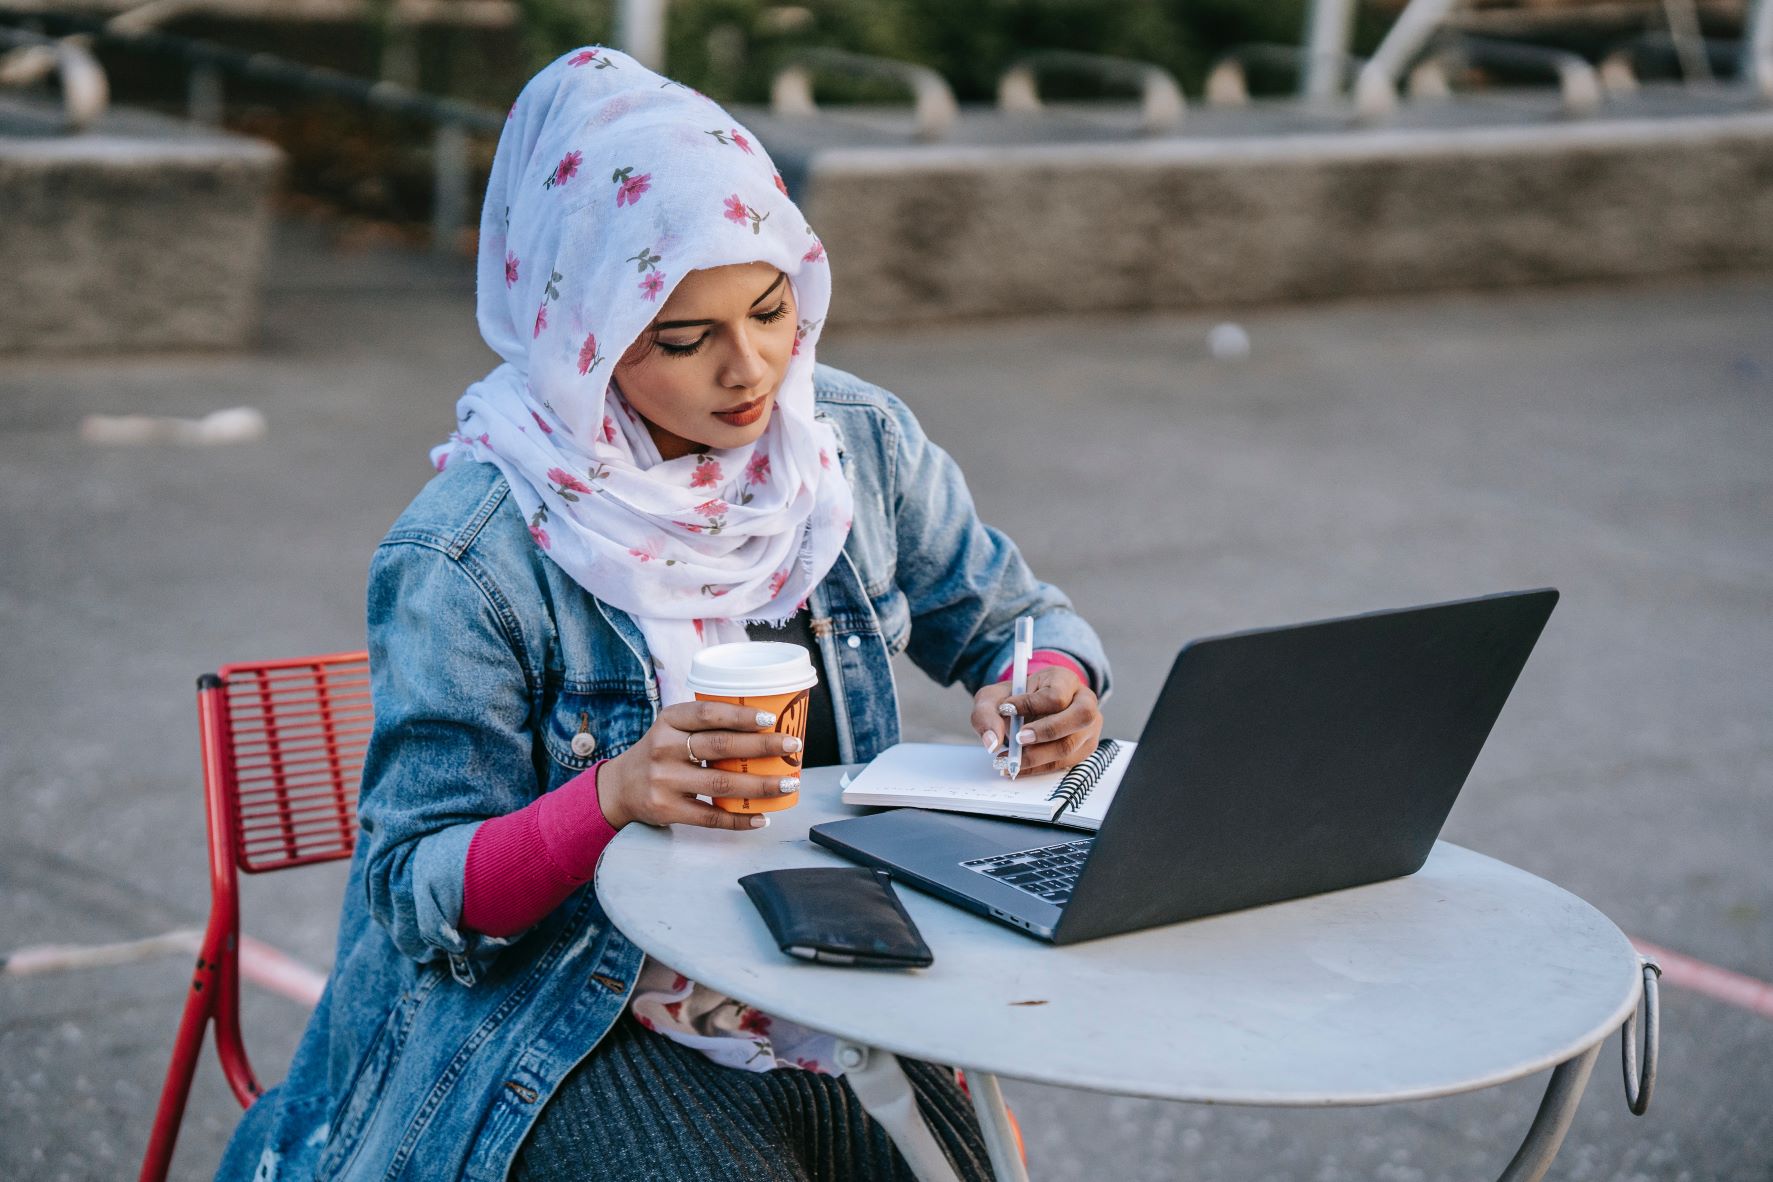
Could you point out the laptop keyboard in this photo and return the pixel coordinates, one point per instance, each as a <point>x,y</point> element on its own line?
<point>1046,872</point>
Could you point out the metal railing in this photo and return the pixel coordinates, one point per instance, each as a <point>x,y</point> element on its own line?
<point>33,57</point>
<point>1321,78</point>
<point>933,106</point>
<point>1579,84</point>
<point>1376,86</point>
<point>1161,105</point>
<point>209,65</point>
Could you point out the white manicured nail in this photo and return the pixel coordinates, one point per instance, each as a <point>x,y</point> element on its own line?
<point>759,822</point>
<point>789,784</point>
<point>1026,735</point>
<point>765,718</point>
<point>1007,710</point>
<point>990,740</point>
<point>791,744</point>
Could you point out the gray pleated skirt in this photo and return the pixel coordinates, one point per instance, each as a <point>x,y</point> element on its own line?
<point>643,1107</point>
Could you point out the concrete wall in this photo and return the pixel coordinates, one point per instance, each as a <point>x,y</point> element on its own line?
<point>140,234</point>
<point>917,232</point>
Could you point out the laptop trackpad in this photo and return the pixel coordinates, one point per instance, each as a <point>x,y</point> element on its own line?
<point>933,845</point>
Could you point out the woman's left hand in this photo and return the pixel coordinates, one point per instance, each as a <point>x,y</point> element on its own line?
<point>1061,719</point>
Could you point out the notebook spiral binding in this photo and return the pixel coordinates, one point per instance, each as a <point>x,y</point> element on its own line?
<point>1075,788</point>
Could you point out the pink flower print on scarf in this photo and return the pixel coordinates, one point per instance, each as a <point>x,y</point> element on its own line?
<point>609,424</point>
<point>814,254</point>
<point>566,170</point>
<point>732,137</point>
<point>715,512</point>
<point>754,1022</point>
<point>535,527</point>
<point>540,422</point>
<point>707,474</point>
<point>566,485</point>
<point>653,279</point>
<point>550,291</point>
<point>781,184</point>
<point>588,360</point>
<point>777,582</point>
<point>740,214</point>
<point>510,268</point>
<point>631,187</point>
<point>588,57</point>
<point>650,550</point>
<point>757,471</point>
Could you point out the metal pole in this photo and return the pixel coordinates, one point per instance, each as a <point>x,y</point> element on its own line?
<point>1328,27</point>
<point>205,95</point>
<point>640,31</point>
<point>994,1120</point>
<point>1757,47</point>
<point>1689,40</point>
<point>1375,90</point>
<point>449,192</point>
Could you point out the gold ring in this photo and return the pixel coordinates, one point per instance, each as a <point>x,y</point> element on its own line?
<point>692,751</point>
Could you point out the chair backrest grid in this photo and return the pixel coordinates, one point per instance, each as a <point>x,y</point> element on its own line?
<point>296,736</point>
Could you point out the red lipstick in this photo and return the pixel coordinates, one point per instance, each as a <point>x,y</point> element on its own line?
<point>745,413</point>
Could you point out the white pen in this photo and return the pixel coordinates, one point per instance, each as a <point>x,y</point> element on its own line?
<point>1024,649</point>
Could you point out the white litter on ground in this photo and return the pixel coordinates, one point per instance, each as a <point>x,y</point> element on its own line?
<point>237,424</point>
<point>1228,342</point>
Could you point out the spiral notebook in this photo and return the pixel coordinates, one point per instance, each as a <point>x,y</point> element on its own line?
<point>959,777</point>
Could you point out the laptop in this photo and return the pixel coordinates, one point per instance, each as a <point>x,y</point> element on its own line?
<point>1277,763</point>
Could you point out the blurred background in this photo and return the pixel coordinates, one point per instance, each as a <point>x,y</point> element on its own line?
<point>1235,313</point>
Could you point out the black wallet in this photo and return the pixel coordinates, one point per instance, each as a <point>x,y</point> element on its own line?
<point>838,915</point>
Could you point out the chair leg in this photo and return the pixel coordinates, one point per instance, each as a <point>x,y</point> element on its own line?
<point>236,1067</point>
<point>200,1003</point>
<point>885,1093</point>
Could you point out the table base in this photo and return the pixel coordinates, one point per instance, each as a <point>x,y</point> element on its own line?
<point>886,1094</point>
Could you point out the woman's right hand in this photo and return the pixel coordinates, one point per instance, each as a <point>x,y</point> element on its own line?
<point>655,782</point>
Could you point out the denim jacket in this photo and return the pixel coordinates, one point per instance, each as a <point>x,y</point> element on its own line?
<point>433,1049</point>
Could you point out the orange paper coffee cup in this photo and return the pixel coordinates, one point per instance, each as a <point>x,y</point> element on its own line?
<point>763,675</point>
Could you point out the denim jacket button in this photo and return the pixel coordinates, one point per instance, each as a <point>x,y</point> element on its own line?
<point>854,642</point>
<point>584,743</point>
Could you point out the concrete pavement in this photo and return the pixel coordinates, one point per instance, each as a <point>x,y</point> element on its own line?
<point>1611,442</point>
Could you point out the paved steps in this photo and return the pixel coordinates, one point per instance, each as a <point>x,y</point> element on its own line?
<point>1076,210</point>
<point>142,233</point>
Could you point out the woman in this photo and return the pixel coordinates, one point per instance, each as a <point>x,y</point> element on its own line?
<point>656,466</point>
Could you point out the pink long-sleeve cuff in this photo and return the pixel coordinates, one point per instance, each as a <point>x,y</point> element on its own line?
<point>1045,657</point>
<point>523,865</point>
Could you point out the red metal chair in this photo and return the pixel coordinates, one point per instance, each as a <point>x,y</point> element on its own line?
<point>283,746</point>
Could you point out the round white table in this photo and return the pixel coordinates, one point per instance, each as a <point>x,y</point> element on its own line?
<point>1468,973</point>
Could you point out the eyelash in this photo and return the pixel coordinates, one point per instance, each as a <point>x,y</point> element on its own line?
<point>770,317</point>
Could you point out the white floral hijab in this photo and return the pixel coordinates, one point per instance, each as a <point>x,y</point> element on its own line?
<point>609,185</point>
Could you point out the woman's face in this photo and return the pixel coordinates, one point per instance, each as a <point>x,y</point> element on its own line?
<point>706,371</point>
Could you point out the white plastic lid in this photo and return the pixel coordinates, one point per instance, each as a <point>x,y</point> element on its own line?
<point>751,667</point>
